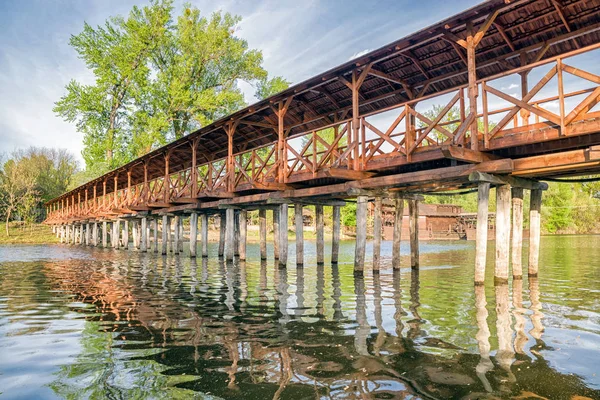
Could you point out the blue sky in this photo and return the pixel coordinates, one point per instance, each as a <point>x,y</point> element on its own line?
<point>299,39</point>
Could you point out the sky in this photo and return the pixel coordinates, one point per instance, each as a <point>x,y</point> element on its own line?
<point>298,38</point>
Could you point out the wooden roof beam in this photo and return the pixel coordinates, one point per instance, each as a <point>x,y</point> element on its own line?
<point>561,14</point>
<point>504,35</point>
<point>390,78</point>
<point>409,54</point>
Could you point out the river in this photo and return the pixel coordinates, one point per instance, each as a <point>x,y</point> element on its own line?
<point>80,322</point>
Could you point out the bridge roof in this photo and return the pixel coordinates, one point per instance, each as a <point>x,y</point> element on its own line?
<point>423,64</point>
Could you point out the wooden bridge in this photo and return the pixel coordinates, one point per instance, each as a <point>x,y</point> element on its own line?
<point>516,89</point>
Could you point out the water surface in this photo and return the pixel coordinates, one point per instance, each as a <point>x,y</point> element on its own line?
<point>99,323</point>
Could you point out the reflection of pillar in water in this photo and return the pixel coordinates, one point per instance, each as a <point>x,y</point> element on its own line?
<point>363,329</point>
<point>482,337</point>
<point>229,281</point>
<point>377,300</point>
<point>193,275</point>
<point>262,283</point>
<point>398,311</point>
<point>519,314</point>
<point>243,279</point>
<point>536,307</point>
<point>416,321</point>
<point>337,293</point>
<point>204,275</point>
<point>299,292</point>
<point>320,292</point>
<point>505,353</point>
<point>282,296</point>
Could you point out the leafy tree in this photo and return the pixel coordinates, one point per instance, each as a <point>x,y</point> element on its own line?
<point>269,87</point>
<point>117,53</point>
<point>17,186</point>
<point>157,79</point>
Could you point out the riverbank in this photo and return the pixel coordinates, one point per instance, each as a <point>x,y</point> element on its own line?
<point>27,234</point>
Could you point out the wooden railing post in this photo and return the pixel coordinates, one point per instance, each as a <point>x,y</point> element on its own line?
<point>166,183</point>
<point>473,89</point>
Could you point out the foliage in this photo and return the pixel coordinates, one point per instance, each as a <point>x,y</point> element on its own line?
<point>348,213</point>
<point>157,78</point>
<point>31,177</point>
<point>450,120</point>
<point>267,88</point>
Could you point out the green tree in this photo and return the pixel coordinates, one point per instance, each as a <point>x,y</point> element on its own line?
<point>17,186</point>
<point>117,54</point>
<point>157,79</point>
<point>269,87</point>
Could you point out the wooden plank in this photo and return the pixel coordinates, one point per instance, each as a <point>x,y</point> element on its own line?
<point>507,180</point>
<point>229,234</point>
<point>465,154</point>
<point>348,174</point>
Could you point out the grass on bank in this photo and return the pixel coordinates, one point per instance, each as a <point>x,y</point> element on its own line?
<point>20,233</point>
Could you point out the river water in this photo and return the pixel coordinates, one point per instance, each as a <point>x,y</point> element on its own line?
<point>99,323</point>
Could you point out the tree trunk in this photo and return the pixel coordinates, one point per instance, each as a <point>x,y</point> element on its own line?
<point>7,220</point>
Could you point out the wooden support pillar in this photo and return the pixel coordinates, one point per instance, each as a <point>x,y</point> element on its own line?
<point>222,229</point>
<point>155,233</point>
<point>95,234</point>
<point>104,233</point>
<point>170,234</point>
<point>413,227</point>
<point>517,233</point>
<point>262,227</point>
<point>176,237</point>
<point>135,233</point>
<point>502,234</point>
<point>180,234</point>
<point>335,240</point>
<point>88,234</point>
<point>283,235</point>
<point>535,208</point>
<point>229,234</point>
<point>276,233</point>
<point>204,219</point>
<point>81,234</point>
<point>193,234</point>
<point>144,236</point>
<point>243,225</point>
<point>483,197</point>
<point>115,233</point>
<point>126,235</point>
<point>377,235</point>
<point>361,234</point>
<point>236,234</point>
<point>165,231</point>
<point>320,234</point>
<point>397,239</point>
<point>299,234</point>
<point>148,244</point>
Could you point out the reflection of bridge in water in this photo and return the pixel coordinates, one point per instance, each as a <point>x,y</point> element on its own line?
<point>519,74</point>
<point>266,336</point>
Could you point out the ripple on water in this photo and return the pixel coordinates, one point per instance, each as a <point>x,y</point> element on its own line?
<point>77,322</point>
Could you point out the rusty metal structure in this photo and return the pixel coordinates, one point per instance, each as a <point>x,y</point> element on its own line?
<point>361,129</point>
